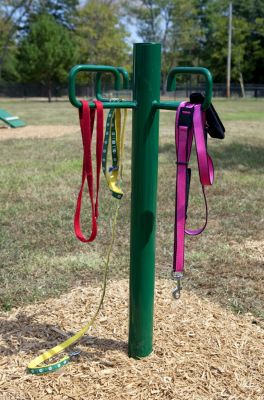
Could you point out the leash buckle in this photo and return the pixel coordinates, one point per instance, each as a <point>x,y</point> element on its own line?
<point>177,276</point>
<point>113,168</point>
<point>186,117</point>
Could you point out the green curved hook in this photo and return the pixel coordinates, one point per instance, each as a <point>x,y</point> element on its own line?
<point>125,76</point>
<point>193,70</point>
<point>90,68</point>
<point>98,88</point>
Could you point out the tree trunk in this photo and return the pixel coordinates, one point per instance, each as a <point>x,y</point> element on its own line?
<point>163,83</point>
<point>241,81</point>
<point>49,92</point>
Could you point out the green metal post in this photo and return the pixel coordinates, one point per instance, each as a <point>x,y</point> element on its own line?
<point>145,132</point>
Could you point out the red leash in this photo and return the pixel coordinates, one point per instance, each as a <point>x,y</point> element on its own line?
<point>87,117</point>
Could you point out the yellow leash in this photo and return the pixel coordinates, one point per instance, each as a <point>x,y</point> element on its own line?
<point>113,178</point>
<point>36,366</point>
<point>114,135</point>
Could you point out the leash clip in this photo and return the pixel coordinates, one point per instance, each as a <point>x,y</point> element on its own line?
<point>113,168</point>
<point>177,276</point>
<point>74,353</point>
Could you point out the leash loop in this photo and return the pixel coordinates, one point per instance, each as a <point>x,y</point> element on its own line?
<point>114,138</point>
<point>87,118</point>
<point>190,123</point>
<point>38,366</point>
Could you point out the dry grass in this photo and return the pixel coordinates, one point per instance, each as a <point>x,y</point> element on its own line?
<point>207,346</point>
<point>201,351</point>
<point>40,132</point>
<point>40,177</point>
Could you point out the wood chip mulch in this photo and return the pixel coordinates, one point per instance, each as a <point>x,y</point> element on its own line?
<point>201,351</point>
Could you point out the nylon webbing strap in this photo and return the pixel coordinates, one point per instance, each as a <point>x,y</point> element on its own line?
<point>190,122</point>
<point>114,138</point>
<point>38,365</point>
<point>87,117</point>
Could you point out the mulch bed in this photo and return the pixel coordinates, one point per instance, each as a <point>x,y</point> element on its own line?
<point>201,351</point>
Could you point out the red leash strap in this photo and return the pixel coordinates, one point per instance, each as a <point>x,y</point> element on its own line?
<point>87,117</point>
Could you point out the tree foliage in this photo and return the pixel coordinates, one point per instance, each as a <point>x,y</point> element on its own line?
<point>12,13</point>
<point>64,11</point>
<point>247,40</point>
<point>102,36</point>
<point>196,33</point>
<point>46,53</point>
<point>193,32</point>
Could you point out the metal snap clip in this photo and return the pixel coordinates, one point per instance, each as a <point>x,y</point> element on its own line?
<point>74,353</point>
<point>176,293</point>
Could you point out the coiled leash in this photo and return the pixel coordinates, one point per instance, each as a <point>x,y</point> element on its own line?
<point>191,121</point>
<point>38,365</point>
<point>114,135</point>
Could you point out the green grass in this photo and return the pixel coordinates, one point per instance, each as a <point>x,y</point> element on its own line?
<point>241,109</point>
<point>63,113</point>
<point>42,112</point>
<point>40,178</point>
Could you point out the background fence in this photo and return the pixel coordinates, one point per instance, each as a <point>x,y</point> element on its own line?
<point>29,90</point>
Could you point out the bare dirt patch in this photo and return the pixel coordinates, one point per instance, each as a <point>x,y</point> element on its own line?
<point>40,131</point>
<point>201,351</point>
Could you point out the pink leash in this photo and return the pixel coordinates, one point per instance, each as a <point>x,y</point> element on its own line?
<point>190,122</point>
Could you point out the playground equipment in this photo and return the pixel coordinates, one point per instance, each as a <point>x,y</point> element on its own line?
<point>11,120</point>
<point>145,133</point>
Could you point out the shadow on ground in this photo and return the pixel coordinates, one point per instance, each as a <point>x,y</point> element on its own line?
<point>30,336</point>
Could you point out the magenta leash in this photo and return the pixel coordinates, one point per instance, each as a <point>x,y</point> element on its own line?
<point>191,122</point>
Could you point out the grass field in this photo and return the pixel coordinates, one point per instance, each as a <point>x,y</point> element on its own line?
<point>40,178</point>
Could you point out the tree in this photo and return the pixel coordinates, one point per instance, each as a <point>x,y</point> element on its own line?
<point>257,33</point>
<point>247,40</point>
<point>102,36</point>
<point>46,53</point>
<point>153,20</point>
<point>196,32</point>
<point>252,13</point>
<point>173,23</point>
<point>12,14</point>
<point>64,11</point>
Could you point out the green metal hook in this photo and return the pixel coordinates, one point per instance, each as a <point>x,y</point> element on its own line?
<point>193,70</point>
<point>90,68</point>
<point>98,88</point>
<point>125,76</point>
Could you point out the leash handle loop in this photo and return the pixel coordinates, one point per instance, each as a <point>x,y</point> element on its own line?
<point>87,118</point>
<point>114,139</point>
<point>37,366</point>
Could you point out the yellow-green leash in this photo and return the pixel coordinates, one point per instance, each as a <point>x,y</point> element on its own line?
<point>113,177</point>
<point>114,136</point>
<point>37,365</point>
